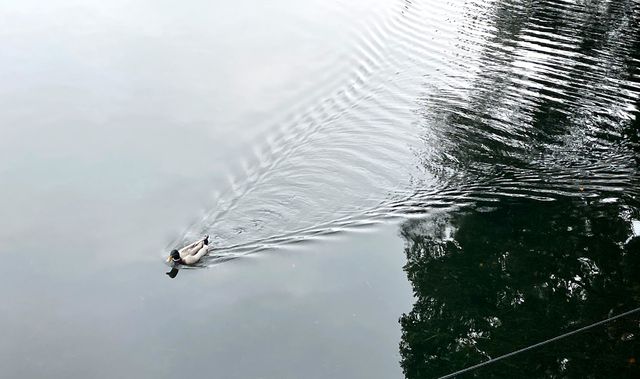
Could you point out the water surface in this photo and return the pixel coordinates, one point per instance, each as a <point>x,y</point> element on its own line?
<point>392,187</point>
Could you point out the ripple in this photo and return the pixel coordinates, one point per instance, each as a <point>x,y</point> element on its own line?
<point>447,105</point>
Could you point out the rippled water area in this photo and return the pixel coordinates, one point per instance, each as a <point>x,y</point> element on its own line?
<point>392,189</point>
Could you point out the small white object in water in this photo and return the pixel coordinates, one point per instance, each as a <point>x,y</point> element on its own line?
<point>635,224</point>
<point>627,337</point>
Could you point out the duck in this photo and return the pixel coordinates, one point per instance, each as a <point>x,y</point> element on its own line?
<point>190,254</point>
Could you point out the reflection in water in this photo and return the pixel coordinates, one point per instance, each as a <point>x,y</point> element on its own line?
<point>549,91</point>
<point>173,272</point>
<point>492,280</point>
<point>545,137</point>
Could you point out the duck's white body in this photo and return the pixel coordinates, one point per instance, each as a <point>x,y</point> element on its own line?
<point>191,254</point>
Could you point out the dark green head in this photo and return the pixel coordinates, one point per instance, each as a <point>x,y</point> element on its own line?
<point>174,256</point>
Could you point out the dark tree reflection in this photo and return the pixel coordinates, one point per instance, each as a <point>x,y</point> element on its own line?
<point>545,140</point>
<point>492,280</point>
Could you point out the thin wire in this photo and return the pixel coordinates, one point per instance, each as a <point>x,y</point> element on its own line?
<point>539,344</point>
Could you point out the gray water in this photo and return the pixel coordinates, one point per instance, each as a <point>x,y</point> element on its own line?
<point>318,144</point>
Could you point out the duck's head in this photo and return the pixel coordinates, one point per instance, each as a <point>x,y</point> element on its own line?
<point>174,257</point>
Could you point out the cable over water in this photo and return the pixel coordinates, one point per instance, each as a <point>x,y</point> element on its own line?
<point>540,344</point>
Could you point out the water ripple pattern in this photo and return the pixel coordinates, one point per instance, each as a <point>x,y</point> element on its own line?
<point>447,105</point>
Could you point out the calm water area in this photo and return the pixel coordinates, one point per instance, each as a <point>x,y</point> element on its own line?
<point>393,189</point>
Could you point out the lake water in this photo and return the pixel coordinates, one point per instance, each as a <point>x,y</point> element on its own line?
<point>392,188</point>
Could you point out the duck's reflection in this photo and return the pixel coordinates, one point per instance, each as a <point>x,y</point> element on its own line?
<point>173,273</point>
